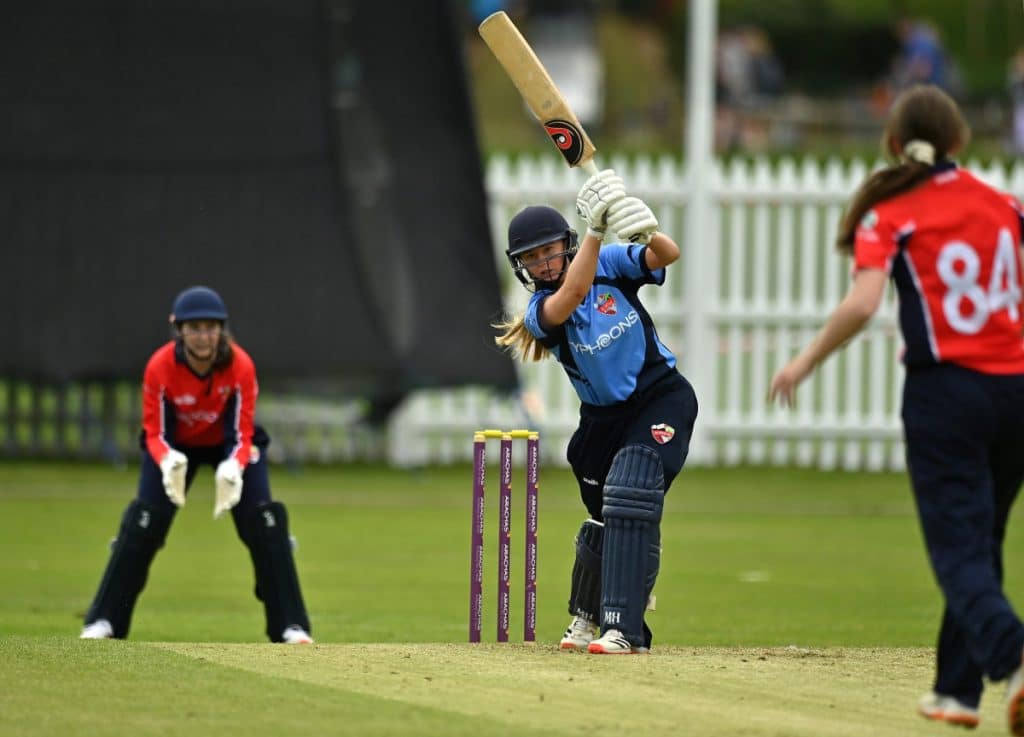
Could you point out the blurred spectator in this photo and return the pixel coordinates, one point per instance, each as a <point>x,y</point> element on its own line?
<point>765,70</point>
<point>1015,86</point>
<point>747,70</point>
<point>747,76</point>
<point>733,70</point>
<point>923,59</point>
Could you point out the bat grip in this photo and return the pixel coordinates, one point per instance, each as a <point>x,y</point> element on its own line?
<point>589,167</point>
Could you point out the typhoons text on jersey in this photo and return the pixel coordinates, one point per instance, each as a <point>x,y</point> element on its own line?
<point>606,339</point>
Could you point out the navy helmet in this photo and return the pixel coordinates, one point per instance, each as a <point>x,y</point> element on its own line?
<point>198,303</point>
<point>535,226</point>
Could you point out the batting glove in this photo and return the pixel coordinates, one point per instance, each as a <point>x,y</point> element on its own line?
<point>228,483</point>
<point>594,198</point>
<point>632,220</point>
<point>173,467</point>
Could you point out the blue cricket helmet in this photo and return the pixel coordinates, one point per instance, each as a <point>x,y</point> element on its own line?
<point>198,303</point>
<point>534,226</point>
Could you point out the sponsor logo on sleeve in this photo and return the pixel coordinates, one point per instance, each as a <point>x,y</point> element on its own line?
<point>869,221</point>
<point>867,227</point>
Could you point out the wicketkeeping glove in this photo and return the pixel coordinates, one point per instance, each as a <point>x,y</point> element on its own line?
<point>632,220</point>
<point>228,482</point>
<point>594,198</point>
<point>173,467</point>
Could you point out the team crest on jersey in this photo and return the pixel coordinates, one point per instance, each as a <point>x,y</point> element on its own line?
<point>606,304</point>
<point>662,432</point>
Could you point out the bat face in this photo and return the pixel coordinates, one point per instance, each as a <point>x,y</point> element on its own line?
<point>538,90</point>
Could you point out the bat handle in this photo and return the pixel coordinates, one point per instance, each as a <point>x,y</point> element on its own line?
<point>589,167</point>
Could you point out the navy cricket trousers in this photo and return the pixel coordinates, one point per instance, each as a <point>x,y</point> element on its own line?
<point>965,452</point>
<point>603,431</point>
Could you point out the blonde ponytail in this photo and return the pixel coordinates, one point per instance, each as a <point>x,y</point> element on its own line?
<point>517,340</point>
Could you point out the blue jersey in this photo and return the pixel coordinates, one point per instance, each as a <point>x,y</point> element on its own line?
<point>608,346</point>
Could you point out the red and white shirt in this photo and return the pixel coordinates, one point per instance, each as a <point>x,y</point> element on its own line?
<point>952,247</point>
<point>181,408</point>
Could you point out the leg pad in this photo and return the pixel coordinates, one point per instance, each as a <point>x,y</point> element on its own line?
<point>585,597</point>
<point>142,533</point>
<point>264,530</point>
<point>633,499</point>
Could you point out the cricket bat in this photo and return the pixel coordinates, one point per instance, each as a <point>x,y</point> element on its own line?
<point>538,90</point>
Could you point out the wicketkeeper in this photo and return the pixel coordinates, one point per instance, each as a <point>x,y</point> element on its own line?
<point>198,406</point>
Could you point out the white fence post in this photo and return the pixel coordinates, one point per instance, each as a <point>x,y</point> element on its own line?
<point>700,246</point>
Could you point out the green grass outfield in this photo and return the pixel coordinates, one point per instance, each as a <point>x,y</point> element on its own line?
<point>789,603</point>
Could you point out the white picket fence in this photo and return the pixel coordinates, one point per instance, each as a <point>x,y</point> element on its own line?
<point>773,276</point>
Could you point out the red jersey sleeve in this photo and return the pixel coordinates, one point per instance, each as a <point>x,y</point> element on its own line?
<point>875,243</point>
<point>242,423</point>
<point>154,404</point>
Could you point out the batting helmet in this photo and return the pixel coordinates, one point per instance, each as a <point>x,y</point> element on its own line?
<point>535,226</point>
<point>198,303</point>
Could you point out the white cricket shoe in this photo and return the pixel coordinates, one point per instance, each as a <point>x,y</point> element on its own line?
<point>613,642</point>
<point>295,635</point>
<point>581,632</point>
<point>947,709</point>
<point>1015,701</point>
<point>98,630</point>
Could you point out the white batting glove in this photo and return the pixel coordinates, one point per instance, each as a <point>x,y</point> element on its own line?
<point>594,198</point>
<point>632,220</point>
<point>174,466</point>
<point>228,482</point>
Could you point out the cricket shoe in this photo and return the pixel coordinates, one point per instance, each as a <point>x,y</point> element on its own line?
<point>581,632</point>
<point>613,642</point>
<point>947,709</point>
<point>1015,701</point>
<point>295,635</point>
<point>98,630</point>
